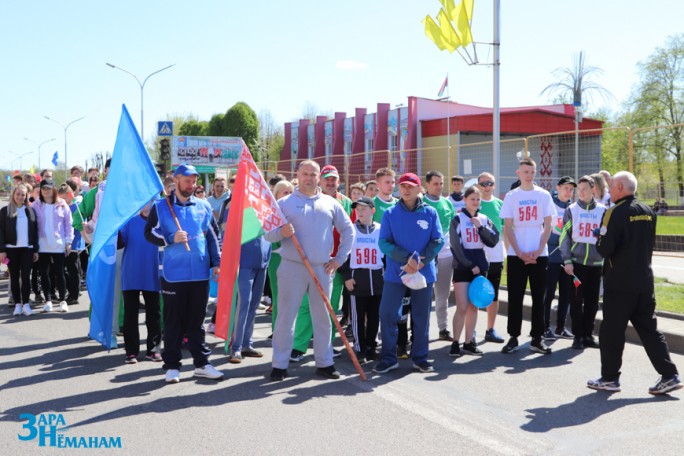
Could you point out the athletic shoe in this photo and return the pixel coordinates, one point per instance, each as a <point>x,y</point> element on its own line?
<point>131,359</point>
<point>328,372</point>
<point>445,335</point>
<point>360,357</point>
<point>590,342</point>
<point>665,386</point>
<point>383,367</point>
<point>269,310</point>
<point>471,349</point>
<point>344,321</point>
<point>602,385</point>
<point>455,351</point>
<point>538,346</point>
<point>296,356</point>
<point>211,328</point>
<point>492,336</point>
<point>549,335</point>
<point>63,306</point>
<point>208,371</point>
<point>578,344</point>
<point>26,310</point>
<point>17,310</point>
<point>511,346</point>
<point>424,367</point>
<point>337,353</point>
<point>401,352</point>
<point>564,334</point>
<point>278,375</point>
<point>251,353</point>
<point>47,307</point>
<point>371,354</point>
<point>154,356</point>
<point>71,300</point>
<point>235,357</point>
<point>172,376</point>
<point>262,306</point>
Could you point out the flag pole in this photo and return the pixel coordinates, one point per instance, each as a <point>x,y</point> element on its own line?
<point>175,219</point>
<point>324,295</point>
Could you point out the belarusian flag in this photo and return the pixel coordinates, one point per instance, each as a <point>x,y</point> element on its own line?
<point>575,281</point>
<point>253,212</point>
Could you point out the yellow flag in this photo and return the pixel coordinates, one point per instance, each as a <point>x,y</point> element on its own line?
<point>449,8</point>
<point>463,32</point>
<point>468,4</point>
<point>32,171</point>
<point>432,31</point>
<point>450,35</point>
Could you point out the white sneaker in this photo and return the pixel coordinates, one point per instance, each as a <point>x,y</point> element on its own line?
<point>26,310</point>
<point>172,376</point>
<point>17,310</point>
<point>47,307</point>
<point>208,371</point>
<point>211,328</point>
<point>63,306</point>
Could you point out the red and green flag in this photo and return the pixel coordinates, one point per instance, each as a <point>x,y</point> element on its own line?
<point>253,212</point>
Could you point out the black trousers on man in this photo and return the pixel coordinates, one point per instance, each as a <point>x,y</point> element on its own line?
<point>185,307</point>
<point>518,274</point>
<point>585,299</point>
<point>620,307</point>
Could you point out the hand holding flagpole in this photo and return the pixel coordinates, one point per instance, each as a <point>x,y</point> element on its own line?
<point>175,219</point>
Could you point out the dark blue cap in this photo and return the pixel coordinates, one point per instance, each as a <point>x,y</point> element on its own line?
<point>185,170</point>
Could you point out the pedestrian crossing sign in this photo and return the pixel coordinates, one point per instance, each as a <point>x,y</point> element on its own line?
<point>165,128</point>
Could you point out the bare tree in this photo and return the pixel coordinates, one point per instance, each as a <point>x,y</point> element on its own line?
<point>575,82</point>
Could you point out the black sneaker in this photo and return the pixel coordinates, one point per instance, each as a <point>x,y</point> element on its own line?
<point>371,354</point>
<point>563,333</point>
<point>511,346</point>
<point>383,367</point>
<point>278,375</point>
<point>455,351</point>
<point>578,344</point>
<point>401,352</point>
<point>425,367</point>
<point>360,357</point>
<point>538,346</point>
<point>549,335</point>
<point>471,349</point>
<point>328,372</point>
<point>296,356</point>
<point>445,335</point>
<point>337,353</point>
<point>604,385</point>
<point>492,336</point>
<point>665,386</point>
<point>590,342</point>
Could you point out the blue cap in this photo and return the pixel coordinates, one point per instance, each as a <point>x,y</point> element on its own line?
<point>185,170</point>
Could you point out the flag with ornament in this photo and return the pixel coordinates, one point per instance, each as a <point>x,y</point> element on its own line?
<point>253,212</point>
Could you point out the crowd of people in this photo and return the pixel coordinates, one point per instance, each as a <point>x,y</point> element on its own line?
<point>384,255</point>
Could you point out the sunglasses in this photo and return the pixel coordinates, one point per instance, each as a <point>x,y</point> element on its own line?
<point>199,191</point>
<point>486,184</point>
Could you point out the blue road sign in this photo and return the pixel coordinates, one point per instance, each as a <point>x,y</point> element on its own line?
<point>165,128</point>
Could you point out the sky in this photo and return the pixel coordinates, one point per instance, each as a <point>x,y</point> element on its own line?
<point>280,56</point>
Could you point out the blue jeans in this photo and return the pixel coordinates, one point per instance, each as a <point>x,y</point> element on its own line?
<point>250,287</point>
<point>390,315</point>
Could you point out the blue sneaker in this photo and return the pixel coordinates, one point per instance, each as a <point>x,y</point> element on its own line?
<point>383,367</point>
<point>602,385</point>
<point>665,386</point>
<point>425,367</point>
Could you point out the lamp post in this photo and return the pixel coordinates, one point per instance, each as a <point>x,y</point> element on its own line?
<point>19,157</point>
<point>39,146</point>
<point>142,90</point>
<point>66,162</point>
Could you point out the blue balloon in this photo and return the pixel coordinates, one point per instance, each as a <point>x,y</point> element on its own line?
<point>481,292</point>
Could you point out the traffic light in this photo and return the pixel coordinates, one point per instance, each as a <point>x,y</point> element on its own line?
<point>165,148</point>
<point>161,169</point>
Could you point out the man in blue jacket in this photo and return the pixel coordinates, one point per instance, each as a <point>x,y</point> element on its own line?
<point>407,227</point>
<point>189,255</point>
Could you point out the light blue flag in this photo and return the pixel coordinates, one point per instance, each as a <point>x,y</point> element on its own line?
<point>131,184</point>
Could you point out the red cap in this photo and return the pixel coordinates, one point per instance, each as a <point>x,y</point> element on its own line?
<point>329,170</point>
<point>411,179</point>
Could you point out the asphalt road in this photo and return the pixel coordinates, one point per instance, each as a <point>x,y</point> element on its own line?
<point>497,404</point>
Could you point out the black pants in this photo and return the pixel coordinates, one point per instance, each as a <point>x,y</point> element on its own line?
<point>185,307</point>
<point>346,302</point>
<point>73,277</point>
<point>518,273</point>
<point>620,307</point>
<point>35,273</point>
<point>555,275</point>
<point>584,304</point>
<point>52,262</point>
<point>84,261</point>
<point>152,321</point>
<point>20,263</point>
<point>365,320</point>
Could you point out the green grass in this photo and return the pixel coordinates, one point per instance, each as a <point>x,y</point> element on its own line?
<point>670,225</point>
<point>669,296</point>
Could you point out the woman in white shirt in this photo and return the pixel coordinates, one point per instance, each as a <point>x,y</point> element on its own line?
<point>19,244</point>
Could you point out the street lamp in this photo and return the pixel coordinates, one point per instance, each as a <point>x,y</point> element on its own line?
<point>142,89</point>
<point>39,146</point>
<point>66,163</point>
<point>19,157</point>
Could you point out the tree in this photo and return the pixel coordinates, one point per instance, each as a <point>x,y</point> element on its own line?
<point>575,82</point>
<point>215,127</point>
<point>194,128</point>
<point>660,94</point>
<point>271,138</point>
<point>241,120</point>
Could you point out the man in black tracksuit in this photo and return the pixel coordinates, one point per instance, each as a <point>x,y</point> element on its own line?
<point>626,240</point>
